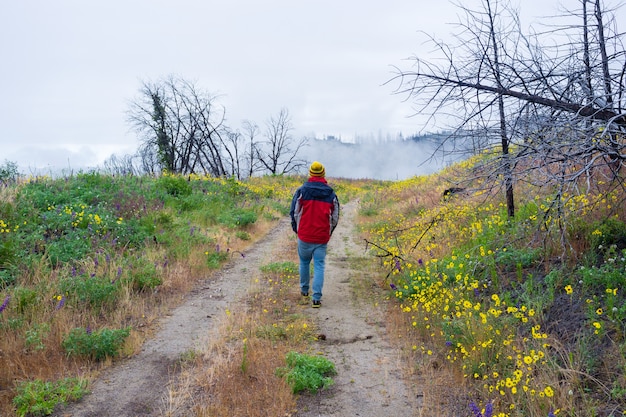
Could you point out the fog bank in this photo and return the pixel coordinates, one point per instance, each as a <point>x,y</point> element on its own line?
<point>393,160</point>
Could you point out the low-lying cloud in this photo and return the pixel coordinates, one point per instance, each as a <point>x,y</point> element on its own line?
<point>392,160</point>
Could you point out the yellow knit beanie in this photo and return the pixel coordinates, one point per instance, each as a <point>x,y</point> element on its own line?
<point>317,170</point>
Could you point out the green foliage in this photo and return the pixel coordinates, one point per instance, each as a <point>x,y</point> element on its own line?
<point>96,345</point>
<point>8,251</point>
<point>283,268</point>
<point>307,373</point>
<point>35,336</point>
<point>93,291</point>
<point>237,217</point>
<point>145,276</point>
<point>216,258</point>
<point>26,298</point>
<point>39,398</point>
<point>176,186</point>
<point>242,235</point>
<point>513,259</point>
<point>610,274</point>
<point>609,231</point>
<point>66,248</point>
<point>7,278</point>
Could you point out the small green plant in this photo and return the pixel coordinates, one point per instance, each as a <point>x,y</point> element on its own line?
<point>38,398</point>
<point>237,217</point>
<point>35,336</point>
<point>174,185</point>
<point>145,276</point>
<point>307,373</point>
<point>242,235</point>
<point>216,258</point>
<point>95,345</point>
<point>7,278</point>
<point>95,291</point>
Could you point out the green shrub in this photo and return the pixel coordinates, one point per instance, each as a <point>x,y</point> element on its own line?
<point>25,298</point>
<point>35,335</point>
<point>237,217</point>
<point>8,251</point>
<point>512,258</point>
<point>306,372</point>
<point>39,398</point>
<point>145,276</point>
<point>243,235</point>
<point>93,291</point>
<point>174,185</point>
<point>216,258</point>
<point>95,345</point>
<point>67,248</point>
<point>7,278</point>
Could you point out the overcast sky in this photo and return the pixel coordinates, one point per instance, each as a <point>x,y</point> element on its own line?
<point>70,68</point>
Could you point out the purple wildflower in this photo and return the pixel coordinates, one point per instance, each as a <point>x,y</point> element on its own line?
<point>420,262</point>
<point>73,271</point>
<point>5,303</point>
<point>119,272</point>
<point>108,258</point>
<point>551,413</point>
<point>475,409</point>
<point>398,266</point>
<point>192,230</point>
<point>393,286</point>
<point>476,292</point>
<point>217,248</point>
<point>489,409</point>
<point>95,261</point>
<point>448,343</point>
<point>88,329</point>
<point>61,303</point>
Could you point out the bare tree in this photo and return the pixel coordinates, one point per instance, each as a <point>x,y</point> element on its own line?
<point>251,131</point>
<point>182,125</point>
<point>556,108</point>
<point>120,165</point>
<point>279,153</point>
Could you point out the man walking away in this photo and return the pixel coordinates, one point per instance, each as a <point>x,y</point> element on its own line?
<point>314,216</point>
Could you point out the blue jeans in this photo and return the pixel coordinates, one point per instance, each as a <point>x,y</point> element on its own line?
<point>316,252</point>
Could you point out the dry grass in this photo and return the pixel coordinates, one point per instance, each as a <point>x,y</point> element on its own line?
<point>236,374</point>
<point>45,359</point>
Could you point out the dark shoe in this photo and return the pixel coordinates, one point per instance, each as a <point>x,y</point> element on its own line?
<point>304,294</point>
<point>317,304</point>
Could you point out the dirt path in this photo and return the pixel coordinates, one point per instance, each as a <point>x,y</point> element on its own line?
<point>368,382</point>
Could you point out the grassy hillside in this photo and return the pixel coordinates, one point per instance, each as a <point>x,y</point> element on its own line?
<point>525,314</point>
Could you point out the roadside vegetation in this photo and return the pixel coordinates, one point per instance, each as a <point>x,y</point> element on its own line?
<point>89,262</point>
<point>505,316</point>
<point>522,316</point>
